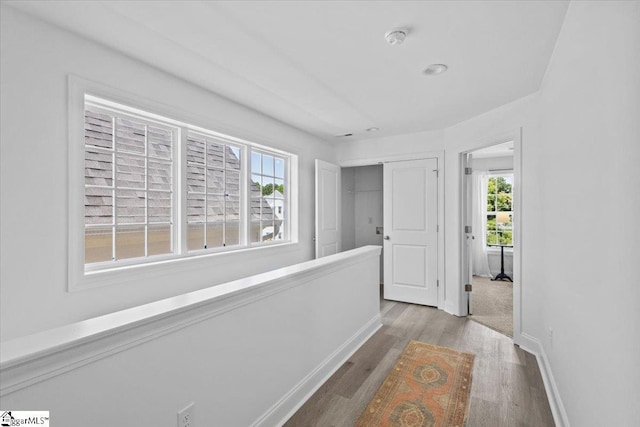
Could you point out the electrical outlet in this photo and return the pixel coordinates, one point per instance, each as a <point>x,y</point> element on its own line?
<point>185,416</point>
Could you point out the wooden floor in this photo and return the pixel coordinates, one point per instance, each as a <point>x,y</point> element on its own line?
<point>506,389</point>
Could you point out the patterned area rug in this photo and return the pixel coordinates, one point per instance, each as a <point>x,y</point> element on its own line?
<point>428,386</point>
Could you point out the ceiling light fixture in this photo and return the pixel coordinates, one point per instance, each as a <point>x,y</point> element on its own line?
<point>395,36</point>
<point>435,69</point>
<point>373,130</point>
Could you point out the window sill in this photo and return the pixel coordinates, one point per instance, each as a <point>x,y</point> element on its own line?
<point>176,264</point>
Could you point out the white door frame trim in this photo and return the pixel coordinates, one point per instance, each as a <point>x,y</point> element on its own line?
<point>514,135</point>
<point>435,154</point>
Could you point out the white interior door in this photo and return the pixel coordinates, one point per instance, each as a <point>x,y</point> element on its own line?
<point>411,231</point>
<point>328,209</point>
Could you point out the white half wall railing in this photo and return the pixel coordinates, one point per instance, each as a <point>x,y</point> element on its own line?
<point>246,353</point>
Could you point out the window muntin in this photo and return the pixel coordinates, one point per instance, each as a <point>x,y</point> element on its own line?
<point>135,214</point>
<point>500,210</point>
<point>269,197</point>
<point>128,186</point>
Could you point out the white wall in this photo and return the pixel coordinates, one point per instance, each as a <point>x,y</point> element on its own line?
<point>36,61</point>
<point>244,358</point>
<point>589,144</point>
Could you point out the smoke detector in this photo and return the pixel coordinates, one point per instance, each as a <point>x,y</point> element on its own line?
<point>395,36</point>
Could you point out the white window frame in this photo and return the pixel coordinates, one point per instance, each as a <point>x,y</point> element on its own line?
<point>83,276</point>
<point>503,173</point>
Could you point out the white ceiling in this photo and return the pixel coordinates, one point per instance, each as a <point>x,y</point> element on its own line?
<point>324,66</point>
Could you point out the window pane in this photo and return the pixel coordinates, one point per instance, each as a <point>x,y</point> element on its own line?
<point>504,202</point>
<point>232,208</point>
<point>491,203</point>
<point>492,238</point>
<point>267,186</point>
<point>504,184</point>
<point>491,187</point>
<point>130,206</point>
<point>256,203</point>
<point>159,175</point>
<point>232,233</point>
<point>98,129</point>
<point>267,230</point>
<point>195,208</point>
<point>159,207</point>
<point>159,239</point>
<point>267,208</point>
<point>215,181</point>
<point>130,136</point>
<point>279,230</point>
<point>195,236</point>
<point>215,153</point>
<point>195,150</point>
<point>279,187</point>
<point>505,238</point>
<point>233,158</point>
<point>256,185</point>
<point>160,141</point>
<point>98,244</point>
<point>214,234</point>
<point>215,208</point>
<point>129,242</point>
<point>279,167</point>
<point>256,162</point>
<point>98,167</point>
<point>232,186</point>
<point>130,171</point>
<point>491,222</point>
<point>254,232</point>
<point>195,179</point>
<point>267,165</point>
<point>98,206</point>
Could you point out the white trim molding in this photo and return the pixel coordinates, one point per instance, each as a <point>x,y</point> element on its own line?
<point>535,347</point>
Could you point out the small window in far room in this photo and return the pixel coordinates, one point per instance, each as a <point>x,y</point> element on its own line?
<point>500,210</point>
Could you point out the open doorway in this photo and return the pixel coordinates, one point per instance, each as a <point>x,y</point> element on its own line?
<point>490,212</point>
<point>362,208</point>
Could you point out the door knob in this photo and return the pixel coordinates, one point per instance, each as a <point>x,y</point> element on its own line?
<point>387,238</point>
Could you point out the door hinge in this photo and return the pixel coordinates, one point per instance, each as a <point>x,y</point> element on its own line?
<point>467,287</point>
<point>468,171</point>
<point>437,228</point>
<point>467,229</point>
<point>437,283</point>
<point>437,172</point>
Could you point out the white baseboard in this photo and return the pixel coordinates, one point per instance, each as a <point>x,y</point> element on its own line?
<point>279,413</point>
<point>534,346</point>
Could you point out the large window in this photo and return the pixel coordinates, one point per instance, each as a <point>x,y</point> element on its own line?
<point>499,210</point>
<point>156,188</point>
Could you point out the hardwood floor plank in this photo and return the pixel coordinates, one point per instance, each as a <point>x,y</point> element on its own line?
<point>506,389</point>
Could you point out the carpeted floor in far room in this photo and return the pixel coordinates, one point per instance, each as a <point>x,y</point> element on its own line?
<point>492,304</point>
